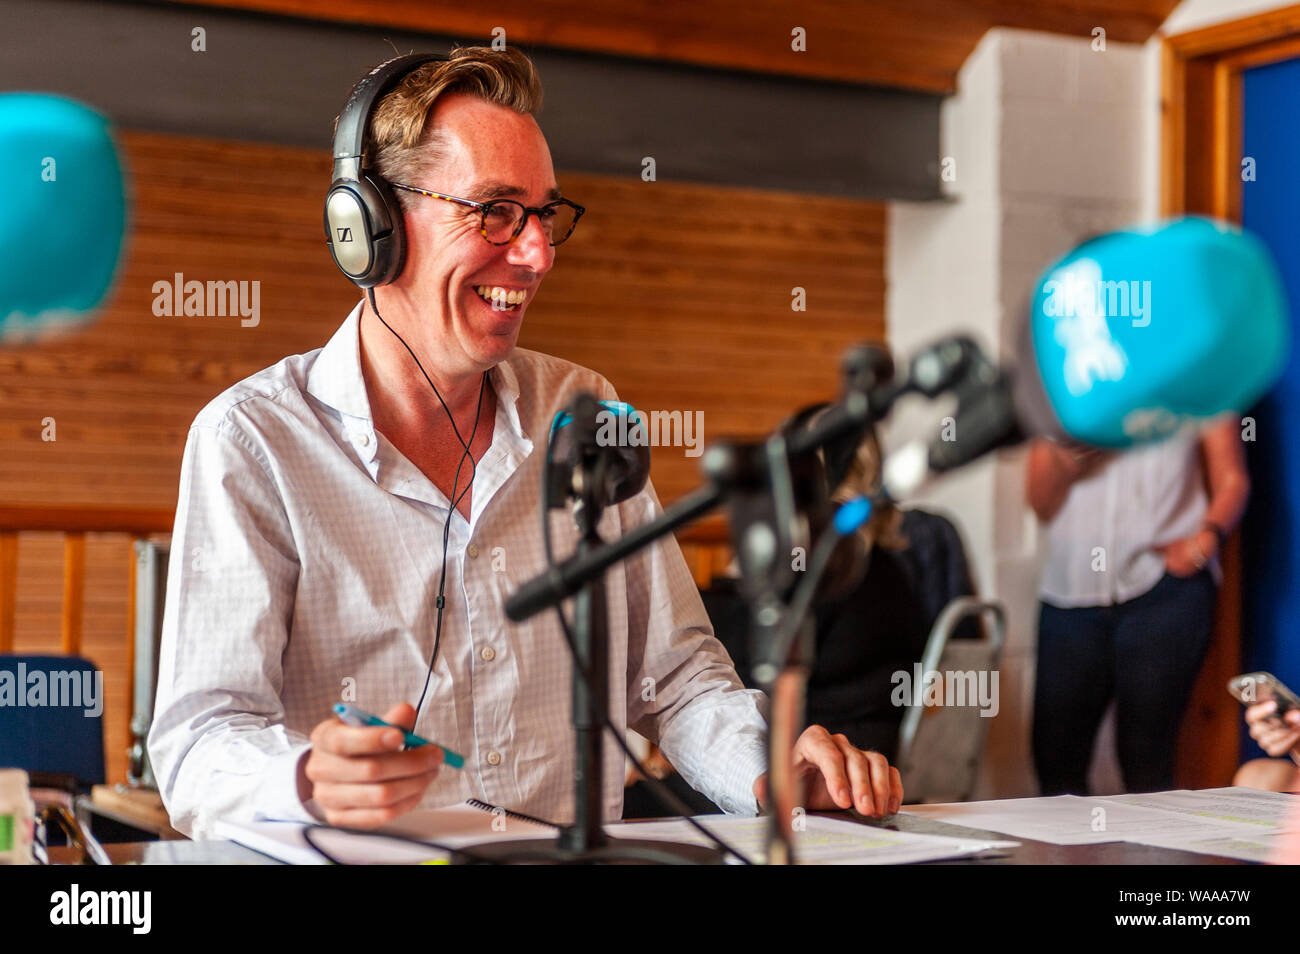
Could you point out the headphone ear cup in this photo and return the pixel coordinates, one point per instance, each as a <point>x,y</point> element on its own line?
<point>363,220</point>
<point>363,228</point>
<point>390,244</point>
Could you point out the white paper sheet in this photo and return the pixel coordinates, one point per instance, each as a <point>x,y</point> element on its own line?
<point>1058,820</point>
<point>1238,818</point>
<point>1249,846</point>
<point>823,840</point>
<point>1267,812</point>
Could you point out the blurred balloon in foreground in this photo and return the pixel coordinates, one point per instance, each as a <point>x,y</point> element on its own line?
<point>63,217</point>
<point>1139,331</point>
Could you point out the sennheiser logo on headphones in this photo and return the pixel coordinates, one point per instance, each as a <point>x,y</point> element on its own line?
<point>345,234</point>
<point>196,299</point>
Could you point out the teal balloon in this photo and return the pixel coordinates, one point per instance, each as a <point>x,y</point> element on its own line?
<point>64,213</point>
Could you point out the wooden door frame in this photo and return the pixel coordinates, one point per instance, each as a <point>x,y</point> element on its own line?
<point>1200,166</point>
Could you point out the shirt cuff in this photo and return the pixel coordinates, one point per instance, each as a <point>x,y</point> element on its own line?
<point>742,772</point>
<point>277,796</point>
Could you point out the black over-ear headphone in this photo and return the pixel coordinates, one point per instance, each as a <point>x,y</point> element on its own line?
<point>363,222</point>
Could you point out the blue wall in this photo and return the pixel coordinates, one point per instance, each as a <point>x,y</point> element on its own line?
<point>1271,530</point>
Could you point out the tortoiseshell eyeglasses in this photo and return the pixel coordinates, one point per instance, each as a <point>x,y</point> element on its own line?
<point>501,220</point>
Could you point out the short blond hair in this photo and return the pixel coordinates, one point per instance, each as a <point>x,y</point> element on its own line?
<point>402,145</point>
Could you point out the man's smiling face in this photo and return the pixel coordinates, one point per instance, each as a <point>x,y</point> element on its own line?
<point>451,272</point>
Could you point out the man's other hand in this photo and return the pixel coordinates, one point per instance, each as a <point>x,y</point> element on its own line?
<point>1275,736</point>
<point>838,776</point>
<point>360,777</point>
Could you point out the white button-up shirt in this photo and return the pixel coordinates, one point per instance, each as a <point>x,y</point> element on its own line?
<point>304,571</point>
<point>1102,543</point>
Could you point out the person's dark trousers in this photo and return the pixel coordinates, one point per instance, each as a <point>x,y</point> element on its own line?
<point>1145,654</point>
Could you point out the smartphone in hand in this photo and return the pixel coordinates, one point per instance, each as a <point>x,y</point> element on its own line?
<point>1253,688</point>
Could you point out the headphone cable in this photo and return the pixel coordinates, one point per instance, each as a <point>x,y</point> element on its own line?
<point>453,499</point>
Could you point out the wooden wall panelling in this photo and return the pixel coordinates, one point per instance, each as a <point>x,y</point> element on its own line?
<point>8,588</point>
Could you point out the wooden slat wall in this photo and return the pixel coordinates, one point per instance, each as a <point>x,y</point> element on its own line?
<point>37,612</point>
<point>679,294</point>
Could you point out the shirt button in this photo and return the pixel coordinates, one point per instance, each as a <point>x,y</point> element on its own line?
<point>489,653</point>
<point>472,550</point>
<point>494,758</point>
<point>363,439</point>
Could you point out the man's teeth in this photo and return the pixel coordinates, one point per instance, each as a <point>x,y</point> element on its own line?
<point>501,296</point>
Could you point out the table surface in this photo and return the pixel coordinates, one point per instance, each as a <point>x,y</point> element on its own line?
<point>1028,852</point>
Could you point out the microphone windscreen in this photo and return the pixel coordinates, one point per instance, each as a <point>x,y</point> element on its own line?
<point>64,213</point>
<point>1139,332</point>
<point>617,431</point>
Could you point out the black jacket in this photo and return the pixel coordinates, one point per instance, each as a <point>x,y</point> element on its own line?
<point>878,629</point>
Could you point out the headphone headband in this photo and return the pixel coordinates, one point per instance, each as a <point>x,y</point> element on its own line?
<point>350,136</point>
<point>363,222</point>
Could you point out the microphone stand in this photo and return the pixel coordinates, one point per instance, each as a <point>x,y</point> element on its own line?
<point>585,841</point>
<point>767,523</point>
<point>591,645</point>
<point>768,520</point>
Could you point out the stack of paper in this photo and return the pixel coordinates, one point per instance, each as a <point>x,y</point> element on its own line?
<point>822,841</point>
<point>1232,822</point>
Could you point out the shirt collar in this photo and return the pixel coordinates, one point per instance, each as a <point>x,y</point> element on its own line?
<point>506,384</point>
<point>335,377</point>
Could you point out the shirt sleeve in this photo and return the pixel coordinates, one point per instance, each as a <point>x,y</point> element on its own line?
<point>683,690</point>
<point>218,743</point>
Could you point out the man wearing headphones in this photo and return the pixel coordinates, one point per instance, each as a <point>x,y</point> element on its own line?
<point>351,520</point>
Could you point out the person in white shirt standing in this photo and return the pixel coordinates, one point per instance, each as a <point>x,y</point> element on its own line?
<point>1127,595</point>
<point>351,520</point>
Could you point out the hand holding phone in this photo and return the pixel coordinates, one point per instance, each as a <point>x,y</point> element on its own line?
<point>1273,712</point>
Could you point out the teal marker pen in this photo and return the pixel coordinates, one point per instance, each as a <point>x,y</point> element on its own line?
<point>359,717</point>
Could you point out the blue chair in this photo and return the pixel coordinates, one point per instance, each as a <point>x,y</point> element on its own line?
<point>59,737</point>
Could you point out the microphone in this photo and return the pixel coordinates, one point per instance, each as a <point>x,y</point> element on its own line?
<point>64,215</point>
<point>614,434</point>
<point>1130,338</point>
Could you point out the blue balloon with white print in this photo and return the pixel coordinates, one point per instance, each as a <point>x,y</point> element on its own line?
<point>1142,332</point>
